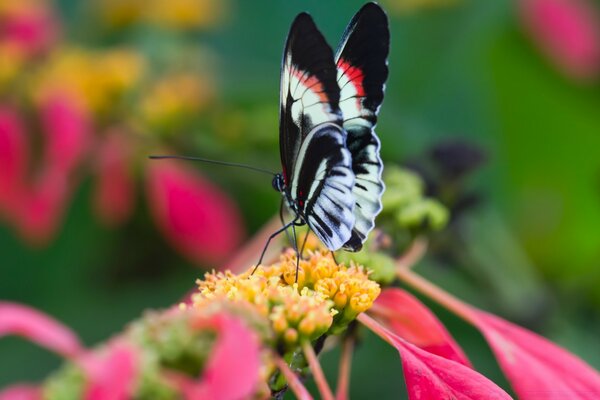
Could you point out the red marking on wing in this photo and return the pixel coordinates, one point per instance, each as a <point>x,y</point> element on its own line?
<point>312,83</point>
<point>354,75</point>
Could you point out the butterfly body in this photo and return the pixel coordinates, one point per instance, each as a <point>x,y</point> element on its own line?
<point>331,177</point>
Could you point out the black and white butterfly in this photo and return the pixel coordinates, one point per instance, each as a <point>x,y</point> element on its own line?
<point>331,177</point>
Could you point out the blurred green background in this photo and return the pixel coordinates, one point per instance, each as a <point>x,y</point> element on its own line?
<point>459,70</point>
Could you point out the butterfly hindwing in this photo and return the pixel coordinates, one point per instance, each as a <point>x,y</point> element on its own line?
<point>322,185</point>
<point>361,61</point>
<point>317,166</point>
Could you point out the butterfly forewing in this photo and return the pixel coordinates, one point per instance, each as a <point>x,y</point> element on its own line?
<point>309,91</point>
<point>317,166</point>
<point>361,61</point>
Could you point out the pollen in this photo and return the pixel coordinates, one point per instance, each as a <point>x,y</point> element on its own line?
<point>324,299</point>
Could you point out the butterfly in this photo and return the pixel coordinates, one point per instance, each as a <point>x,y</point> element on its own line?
<point>329,102</point>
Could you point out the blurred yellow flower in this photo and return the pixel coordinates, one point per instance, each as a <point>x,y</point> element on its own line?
<point>172,14</point>
<point>408,6</point>
<point>97,78</point>
<point>173,98</point>
<point>11,62</point>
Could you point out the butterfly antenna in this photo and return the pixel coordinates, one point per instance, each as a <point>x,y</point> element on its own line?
<point>206,160</point>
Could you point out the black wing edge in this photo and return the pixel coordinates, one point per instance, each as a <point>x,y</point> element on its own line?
<point>365,44</point>
<point>312,54</point>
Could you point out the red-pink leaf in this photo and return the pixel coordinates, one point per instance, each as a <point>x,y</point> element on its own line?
<point>114,191</point>
<point>21,392</point>
<point>196,217</point>
<point>16,319</point>
<point>233,369</point>
<point>536,367</point>
<point>429,376</point>
<point>410,319</point>
<point>111,374</point>
<point>14,156</point>
<point>568,31</point>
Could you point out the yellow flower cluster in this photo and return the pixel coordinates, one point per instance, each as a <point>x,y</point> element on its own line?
<point>326,297</point>
<point>94,77</point>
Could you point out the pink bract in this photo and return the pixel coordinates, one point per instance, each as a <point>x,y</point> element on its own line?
<point>195,216</point>
<point>16,319</point>
<point>429,376</point>
<point>21,392</point>
<point>408,318</point>
<point>233,369</point>
<point>111,374</point>
<point>536,367</point>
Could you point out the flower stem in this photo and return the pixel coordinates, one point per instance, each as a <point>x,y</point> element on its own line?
<point>345,368</point>
<point>375,327</point>
<point>292,379</point>
<point>435,293</point>
<point>413,254</point>
<point>317,371</point>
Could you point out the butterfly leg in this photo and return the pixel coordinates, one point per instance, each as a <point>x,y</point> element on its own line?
<point>282,221</point>
<point>295,243</point>
<point>333,256</point>
<point>304,241</point>
<point>269,241</point>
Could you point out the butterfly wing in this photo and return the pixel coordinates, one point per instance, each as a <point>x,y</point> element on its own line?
<point>317,166</point>
<point>361,61</point>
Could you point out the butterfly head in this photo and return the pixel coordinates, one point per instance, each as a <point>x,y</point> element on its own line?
<point>278,183</point>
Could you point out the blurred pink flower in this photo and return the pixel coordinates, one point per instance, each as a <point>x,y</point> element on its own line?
<point>42,205</point>
<point>195,216</point>
<point>114,186</point>
<point>30,27</point>
<point>568,31</point>
<point>66,130</point>
<point>410,319</point>
<point>14,157</point>
<point>232,371</point>
<point>38,199</point>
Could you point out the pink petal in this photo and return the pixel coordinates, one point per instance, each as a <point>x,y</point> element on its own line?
<point>568,31</point>
<point>21,392</point>
<point>232,371</point>
<point>42,206</point>
<point>111,375</point>
<point>66,130</point>
<point>536,367</point>
<point>410,319</point>
<point>16,319</point>
<point>195,216</point>
<point>429,376</point>
<point>14,156</point>
<point>114,191</point>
